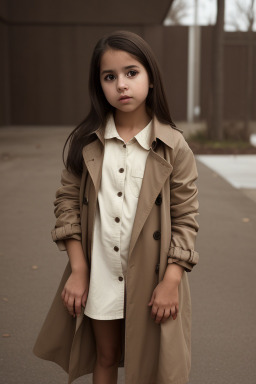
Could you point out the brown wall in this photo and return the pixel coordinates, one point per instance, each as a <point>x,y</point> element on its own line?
<point>4,7</point>
<point>91,12</point>
<point>175,72</point>
<point>237,62</point>
<point>4,72</point>
<point>49,70</point>
<point>45,71</point>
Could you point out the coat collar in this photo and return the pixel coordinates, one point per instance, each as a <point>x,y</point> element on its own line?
<point>163,132</point>
<point>160,131</point>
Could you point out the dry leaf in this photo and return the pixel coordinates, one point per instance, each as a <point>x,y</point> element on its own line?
<point>245,220</point>
<point>34,267</point>
<point>6,335</point>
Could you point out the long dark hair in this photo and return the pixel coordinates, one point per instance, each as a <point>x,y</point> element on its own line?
<point>156,102</point>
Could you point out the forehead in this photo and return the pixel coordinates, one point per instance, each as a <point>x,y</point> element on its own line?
<point>115,59</point>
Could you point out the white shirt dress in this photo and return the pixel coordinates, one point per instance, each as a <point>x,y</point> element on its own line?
<point>122,175</point>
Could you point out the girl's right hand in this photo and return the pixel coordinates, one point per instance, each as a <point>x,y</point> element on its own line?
<point>75,292</point>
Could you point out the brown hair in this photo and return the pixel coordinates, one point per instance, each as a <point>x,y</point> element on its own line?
<point>156,102</point>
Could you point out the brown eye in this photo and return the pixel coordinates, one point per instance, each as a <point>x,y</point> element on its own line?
<point>109,77</point>
<point>132,73</point>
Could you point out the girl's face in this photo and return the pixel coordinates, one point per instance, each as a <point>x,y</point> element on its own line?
<point>124,81</point>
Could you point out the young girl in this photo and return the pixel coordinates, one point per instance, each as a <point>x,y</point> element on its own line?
<point>126,217</point>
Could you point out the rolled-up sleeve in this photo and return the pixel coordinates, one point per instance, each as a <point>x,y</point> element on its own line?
<point>184,210</point>
<point>67,210</point>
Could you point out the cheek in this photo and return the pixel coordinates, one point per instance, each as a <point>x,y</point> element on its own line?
<point>144,89</point>
<point>106,90</point>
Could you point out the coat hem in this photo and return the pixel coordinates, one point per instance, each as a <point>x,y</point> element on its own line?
<point>70,377</point>
<point>183,380</point>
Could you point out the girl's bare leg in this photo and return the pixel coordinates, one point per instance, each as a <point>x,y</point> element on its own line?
<point>108,342</point>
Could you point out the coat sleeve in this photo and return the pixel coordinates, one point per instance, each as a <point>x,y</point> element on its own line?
<point>67,210</point>
<point>184,209</point>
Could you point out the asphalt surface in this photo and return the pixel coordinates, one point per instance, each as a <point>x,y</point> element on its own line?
<point>223,285</point>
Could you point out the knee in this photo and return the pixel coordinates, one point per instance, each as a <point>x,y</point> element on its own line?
<point>109,358</point>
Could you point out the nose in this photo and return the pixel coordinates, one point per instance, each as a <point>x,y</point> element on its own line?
<point>121,84</point>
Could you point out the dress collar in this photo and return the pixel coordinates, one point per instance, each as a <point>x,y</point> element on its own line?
<point>143,137</point>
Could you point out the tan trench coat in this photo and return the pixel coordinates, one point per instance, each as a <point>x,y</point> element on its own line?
<point>164,226</point>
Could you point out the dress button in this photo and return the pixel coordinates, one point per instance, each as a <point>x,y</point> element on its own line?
<point>157,235</point>
<point>121,170</point>
<point>158,200</point>
<point>120,278</point>
<point>116,249</point>
<point>117,220</point>
<point>119,194</point>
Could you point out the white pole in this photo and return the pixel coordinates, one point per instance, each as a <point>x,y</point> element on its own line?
<point>193,101</point>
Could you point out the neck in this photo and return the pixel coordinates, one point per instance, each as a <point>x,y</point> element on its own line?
<point>132,120</point>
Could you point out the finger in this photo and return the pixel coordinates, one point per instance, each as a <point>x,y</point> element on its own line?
<point>154,311</point>
<point>176,312</point>
<point>159,316</point>
<point>77,306</point>
<point>63,294</point>
<point>173,312</point>
<point>70,305</point>
<point>84,298</point>
<point>151,300</point>
<point>65,298</point>
<point>166,315</point>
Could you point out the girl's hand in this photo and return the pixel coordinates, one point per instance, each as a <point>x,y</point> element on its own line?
<point>75,292</point>
<point>165,297</point>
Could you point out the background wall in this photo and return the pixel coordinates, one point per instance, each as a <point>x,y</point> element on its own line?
<point>47,48</point>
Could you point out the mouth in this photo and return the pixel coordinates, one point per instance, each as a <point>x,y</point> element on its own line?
<point>124,98</point>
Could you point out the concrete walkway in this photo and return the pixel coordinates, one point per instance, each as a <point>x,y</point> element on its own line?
<point>223,285</point>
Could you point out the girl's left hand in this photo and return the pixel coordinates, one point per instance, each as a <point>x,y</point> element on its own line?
<point>165,301</point>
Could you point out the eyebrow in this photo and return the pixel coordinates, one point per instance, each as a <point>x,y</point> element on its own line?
<point>111,70</point>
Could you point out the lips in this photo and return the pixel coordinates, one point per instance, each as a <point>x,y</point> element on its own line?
<point>124,98</point>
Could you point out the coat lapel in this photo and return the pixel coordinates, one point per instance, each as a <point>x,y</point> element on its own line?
<point>157,171</point>
<point>93,157</point>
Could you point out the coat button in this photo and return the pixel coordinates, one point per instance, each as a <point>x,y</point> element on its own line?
<point>120,278</point>
<point>117,220</point>
<point>158,200</point>
<point>124,145</point>
<point>119,194</point>
<point>85,200</point>
<point>121,170</point>
<point>157,235</point>
<point>116,249</point>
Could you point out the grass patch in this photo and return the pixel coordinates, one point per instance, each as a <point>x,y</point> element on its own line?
<point>200,143</point>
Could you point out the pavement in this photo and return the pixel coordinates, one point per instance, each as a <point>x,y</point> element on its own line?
<point>223,285</point>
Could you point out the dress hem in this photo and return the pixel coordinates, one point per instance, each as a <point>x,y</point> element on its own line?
<point>105,317</point>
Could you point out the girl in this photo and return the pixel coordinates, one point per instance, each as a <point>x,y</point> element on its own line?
<point>126,217</point>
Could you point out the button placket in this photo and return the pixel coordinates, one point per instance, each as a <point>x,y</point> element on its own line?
<point>117,210</point>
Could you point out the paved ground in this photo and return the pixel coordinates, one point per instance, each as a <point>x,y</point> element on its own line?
<point>223,285</point>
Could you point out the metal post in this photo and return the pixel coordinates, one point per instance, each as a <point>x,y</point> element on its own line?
<point>193,100</point>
